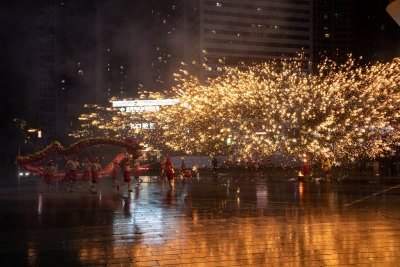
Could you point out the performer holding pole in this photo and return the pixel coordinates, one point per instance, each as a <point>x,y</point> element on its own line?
<point>127,173</point>
<point>116,170</point>
<point>169,169</point>
<point>87,170</point>
<point>70,168</point>
<point>136,171</point>
<point>95,167</point>
<point>326,167</point>
<point>49,171</point>
<point>162,161</point>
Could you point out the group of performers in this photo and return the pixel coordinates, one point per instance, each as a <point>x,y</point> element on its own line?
<point>168,169</point>
<point>91,172</point>
<point>326,167</point>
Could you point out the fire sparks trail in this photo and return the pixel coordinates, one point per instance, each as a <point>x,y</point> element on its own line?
<point>345,111</point>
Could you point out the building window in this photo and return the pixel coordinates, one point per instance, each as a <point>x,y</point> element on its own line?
<point>218,4</point>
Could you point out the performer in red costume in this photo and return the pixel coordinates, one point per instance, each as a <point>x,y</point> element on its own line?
<point>116,170</point>
<point>306,166</point>
<point>127,173</point>
<point>49,172</point>
<point>136,171</point>
<point>169,169</point>
<point>70,171</point>
<point>95,167</point>
<point>87,168</point>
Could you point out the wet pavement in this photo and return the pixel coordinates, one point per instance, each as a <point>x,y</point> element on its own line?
<point>241,219</point>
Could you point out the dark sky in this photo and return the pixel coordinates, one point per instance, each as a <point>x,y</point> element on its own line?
<point>17,24</point>
<point>17,29</point>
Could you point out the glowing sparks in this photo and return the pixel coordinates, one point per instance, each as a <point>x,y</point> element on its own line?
<point>345,110</point>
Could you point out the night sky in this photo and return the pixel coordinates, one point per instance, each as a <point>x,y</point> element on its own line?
<point>17,45</point>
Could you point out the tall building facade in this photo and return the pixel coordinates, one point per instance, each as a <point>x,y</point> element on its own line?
<point>251,31</point>
<point>334,27</point>
<point>66,63</point>
<point>377,36</point>
<point>47,98</point>
<point>362,28</point>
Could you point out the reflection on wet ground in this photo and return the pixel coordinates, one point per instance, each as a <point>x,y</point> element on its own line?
<point>216,220</point>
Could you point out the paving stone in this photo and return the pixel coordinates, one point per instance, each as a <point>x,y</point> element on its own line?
<point>201,223</point>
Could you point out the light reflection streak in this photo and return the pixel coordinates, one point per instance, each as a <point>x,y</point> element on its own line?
<point>40,204</point>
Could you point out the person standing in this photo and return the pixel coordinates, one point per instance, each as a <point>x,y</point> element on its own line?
<point>169,169</point>
<point>136,171</point>
<point>95,167</point>
<point>162,161</point>
<point>306,166</point>
<point>183,164</point>
<point>326,167</point>
<point>127,173</point>
<point>214,162</point>
<point>49,172</point>
<point>70,168</point>
<point>115,172</point>
<point>87,170</point>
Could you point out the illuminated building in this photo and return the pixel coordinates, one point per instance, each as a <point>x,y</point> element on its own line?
<point>333,29</point>
<point>377,36</point>
<point>362,28</point>
<point>255,31</point>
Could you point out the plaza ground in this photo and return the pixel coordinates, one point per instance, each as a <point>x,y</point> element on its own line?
<point>218,219</point>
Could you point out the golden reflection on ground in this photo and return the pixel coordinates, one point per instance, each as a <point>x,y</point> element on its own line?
<point>265,224</point>
<point>322,236</point>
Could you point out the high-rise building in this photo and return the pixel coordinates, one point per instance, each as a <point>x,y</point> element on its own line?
<point>362,28</point>
<point>251,31</point>
<point>333,29</point>
<point>377,35</point>
<point>66,63</point>
<point>48,96</point>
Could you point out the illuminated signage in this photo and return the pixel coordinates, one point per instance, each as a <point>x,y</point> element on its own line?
<point>143,126</point>
<point>141,103</point>
<point>140,109</point>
